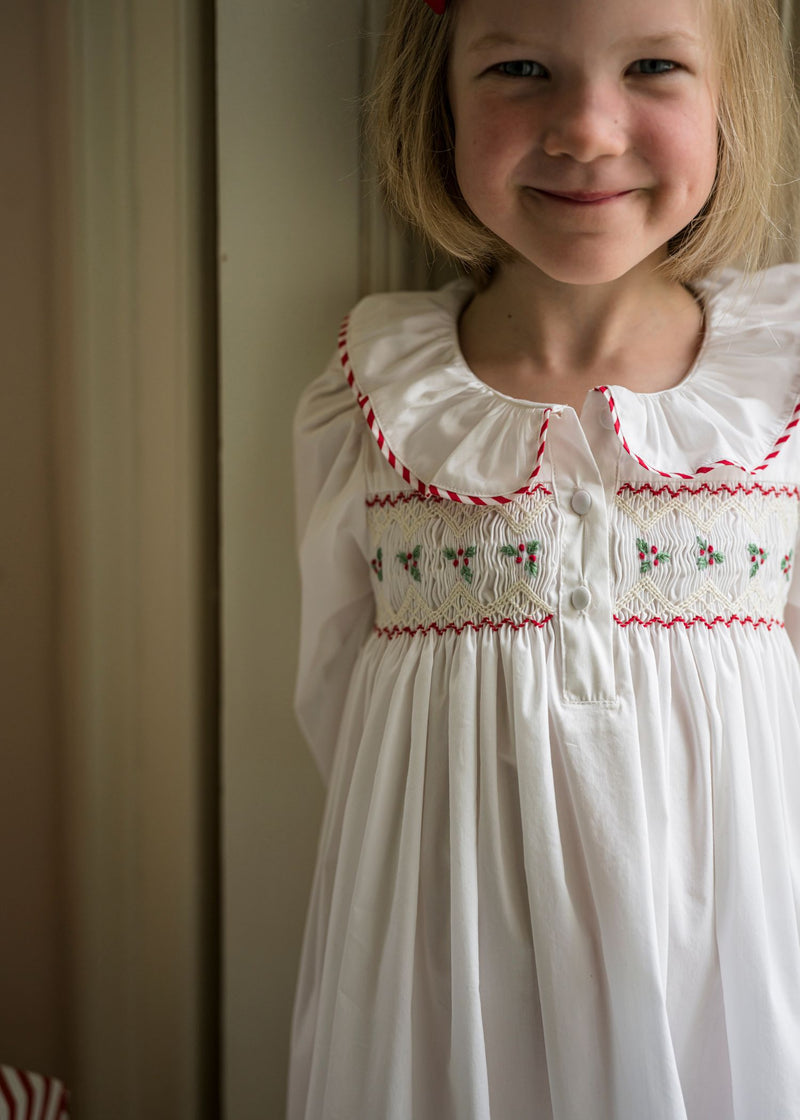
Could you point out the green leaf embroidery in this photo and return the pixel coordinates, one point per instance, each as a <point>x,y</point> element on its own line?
<point>649,556</point>
<point>460,559</point>
<point>410,561</point>
<point>708,555</point>
<point>757,558</point>
<point>525,551</point>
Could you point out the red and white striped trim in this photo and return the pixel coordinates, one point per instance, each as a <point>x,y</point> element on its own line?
<point>31,1096</point>
<point>397,464</point>
<point>793,422</point>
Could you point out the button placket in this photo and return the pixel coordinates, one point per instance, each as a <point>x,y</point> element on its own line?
<point>581,598</point>
<point>581,502</point>
<point>585,616</point>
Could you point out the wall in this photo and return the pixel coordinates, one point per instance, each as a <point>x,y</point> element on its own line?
<point>32,958</point>
<point>108,683</point>
<point>288,80</point>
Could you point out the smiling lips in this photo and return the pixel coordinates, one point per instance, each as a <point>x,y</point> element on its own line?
<point>583,198</point>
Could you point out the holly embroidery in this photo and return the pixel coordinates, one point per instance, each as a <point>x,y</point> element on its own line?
<point>786,563</point>
<point>649,556</point>
<point>708,555</point>
<point>377,564</point>
<point>526,553</point>
<point>460,558</point>
<point>410,561</point>
<point>757,558</point>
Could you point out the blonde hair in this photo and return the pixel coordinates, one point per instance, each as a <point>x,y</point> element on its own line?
<point>748,215</point>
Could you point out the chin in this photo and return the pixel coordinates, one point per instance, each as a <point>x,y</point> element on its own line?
<point>588,268</point>
<point>579,273</point>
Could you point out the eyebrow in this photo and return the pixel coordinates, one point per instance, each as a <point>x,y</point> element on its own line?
<point>494,40</point>
<point>679,35</point>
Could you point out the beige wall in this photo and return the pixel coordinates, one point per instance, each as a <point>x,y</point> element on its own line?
<point>107,541</point>
<point>289,212</point>
<point>32,959</point>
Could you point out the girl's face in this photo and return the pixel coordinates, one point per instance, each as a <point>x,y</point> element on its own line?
<point>586,132</point>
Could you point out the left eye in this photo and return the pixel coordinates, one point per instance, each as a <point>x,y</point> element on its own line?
<point>654,66</point>
<point>520,68</point>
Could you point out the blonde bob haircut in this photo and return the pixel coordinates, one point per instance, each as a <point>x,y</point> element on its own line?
<point>748,218</point>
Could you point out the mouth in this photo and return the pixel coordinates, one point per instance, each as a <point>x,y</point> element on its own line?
<point>583,198</point>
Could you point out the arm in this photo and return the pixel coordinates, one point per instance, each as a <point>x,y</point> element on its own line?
<point>337,603</point>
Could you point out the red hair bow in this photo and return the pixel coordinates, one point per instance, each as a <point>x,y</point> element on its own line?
<point>437,5</point>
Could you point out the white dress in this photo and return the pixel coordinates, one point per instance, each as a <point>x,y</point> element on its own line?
<point>547,674</point>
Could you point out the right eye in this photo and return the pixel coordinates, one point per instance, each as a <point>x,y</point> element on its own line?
<point>520,68</point>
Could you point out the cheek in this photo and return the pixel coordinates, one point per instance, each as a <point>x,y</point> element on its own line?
<point>686,147</point>
<point>491,139</point>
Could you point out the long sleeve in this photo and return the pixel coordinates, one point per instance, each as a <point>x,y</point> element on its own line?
<point>337,605</point>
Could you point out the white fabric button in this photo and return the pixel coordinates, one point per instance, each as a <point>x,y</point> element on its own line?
<point>581,502</point>
<point>580,598</point>
<point>606,418</point>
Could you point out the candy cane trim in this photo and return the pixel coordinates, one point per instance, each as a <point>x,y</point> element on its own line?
<point>397,464</point>
<point>793,422</point>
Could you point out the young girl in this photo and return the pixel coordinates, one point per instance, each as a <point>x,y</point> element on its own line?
<point>548,524</point>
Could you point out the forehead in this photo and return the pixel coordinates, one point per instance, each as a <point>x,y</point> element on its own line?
<point>559,23</point>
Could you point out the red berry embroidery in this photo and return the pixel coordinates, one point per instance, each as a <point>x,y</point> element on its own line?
<point>786,563</point>
<point>708,555</point>
<point>377,564</point>
<point>410,562</point>
<point>526,552</point>
<point>649,556</point>
<point>460,559</point>
<point>757,558</point>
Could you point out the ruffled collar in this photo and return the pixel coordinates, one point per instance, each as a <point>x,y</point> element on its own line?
<point>448,432</point>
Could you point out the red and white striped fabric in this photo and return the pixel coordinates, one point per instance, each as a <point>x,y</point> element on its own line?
<point>31,1096</point>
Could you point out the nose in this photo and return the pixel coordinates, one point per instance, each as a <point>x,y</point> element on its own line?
<point>585,123</point>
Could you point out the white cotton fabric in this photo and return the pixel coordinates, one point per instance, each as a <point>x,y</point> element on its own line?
<point>558,867</point>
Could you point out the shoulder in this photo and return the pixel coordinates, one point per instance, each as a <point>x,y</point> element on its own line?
<point>739,405</point>
<point>441,428</point>
<point>384,333</point>
<point>410,331</point>
<point>741,301</point>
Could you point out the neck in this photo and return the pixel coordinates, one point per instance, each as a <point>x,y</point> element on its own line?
<point>529,335</point>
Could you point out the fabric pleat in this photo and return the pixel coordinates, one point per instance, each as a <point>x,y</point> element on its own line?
<point>581,907</point>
